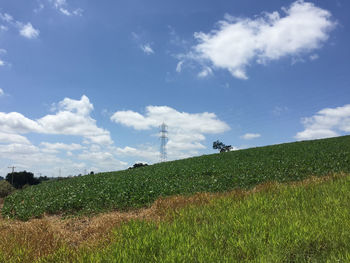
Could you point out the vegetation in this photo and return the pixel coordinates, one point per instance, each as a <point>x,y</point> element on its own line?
<point>20,179</point>
<point>137,165</point>
<point>280,224</point>
<point>217,145</point>
<point>5,188</point>
<point>307,221</point>
<point>140,187</point>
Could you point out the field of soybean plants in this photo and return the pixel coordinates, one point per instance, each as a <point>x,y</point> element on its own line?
<point>135,188</point>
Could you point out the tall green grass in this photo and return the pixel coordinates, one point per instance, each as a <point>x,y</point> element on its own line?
<point>212,173</point>
<point>280,223</point>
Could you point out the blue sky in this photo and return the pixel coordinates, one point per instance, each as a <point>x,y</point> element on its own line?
<point>84,85</point>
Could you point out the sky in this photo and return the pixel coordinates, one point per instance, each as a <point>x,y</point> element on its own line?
<point>85,85</point>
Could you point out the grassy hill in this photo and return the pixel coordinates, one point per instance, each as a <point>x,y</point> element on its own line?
<point>300,222</point>
<point>140,187</point>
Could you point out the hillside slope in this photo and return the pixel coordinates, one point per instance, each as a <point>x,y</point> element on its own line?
<point>211,173</point>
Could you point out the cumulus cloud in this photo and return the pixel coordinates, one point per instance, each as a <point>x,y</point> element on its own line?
<point>186,131</point>
<point>239,42</point>
<point>329,122</point>
<point>147,49</point>
<point>72,118</point>
<point>250,136</point>
<point>1,91</point>
<point>13,138</point>
<point>28,31</point>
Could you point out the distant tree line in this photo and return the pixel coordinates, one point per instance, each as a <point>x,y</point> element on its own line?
<point>20,179</point>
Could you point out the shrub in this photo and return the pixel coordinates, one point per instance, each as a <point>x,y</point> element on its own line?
<point>5,188</point>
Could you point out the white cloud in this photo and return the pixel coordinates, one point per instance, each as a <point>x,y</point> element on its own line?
<point>25,30</point>
<point>2,63</point>
<point>29,31</point>
<point>250,136</point>
<point>62,7</point>
<point>147,153</point>
<point>314,57</point>
<point>156,115</point>
<point>78,12</point>
<point>185,130</point>
<point>72,118</point>
<point>65,11</point>
<point>13,138</point>
<point>6,17</point>
<point>278,111</point>
<point>1,91</point>
<point>205,72</point>
<point>329,122</point>
<point>55,147</point>
<point>18,148</point>
<point>147,49</point>
<point>39,8</point>
<point>104,160</point>
<point>179,66</point>
<point>239,42</point>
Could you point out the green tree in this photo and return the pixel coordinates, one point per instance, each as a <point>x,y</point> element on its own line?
<point>217,145</point>
<point>19,179</point>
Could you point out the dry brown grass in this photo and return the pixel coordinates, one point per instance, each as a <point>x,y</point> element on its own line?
<point>40,237</point>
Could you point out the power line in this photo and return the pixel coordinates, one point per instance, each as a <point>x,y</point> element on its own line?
<point>163,141</point>
<point>13,170</point>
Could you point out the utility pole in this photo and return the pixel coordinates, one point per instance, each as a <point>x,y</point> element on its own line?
<point>59,172</point>
<point>163,141</point>
<point>13,170</point>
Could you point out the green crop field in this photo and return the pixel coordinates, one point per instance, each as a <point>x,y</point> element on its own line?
<point>140,187</point>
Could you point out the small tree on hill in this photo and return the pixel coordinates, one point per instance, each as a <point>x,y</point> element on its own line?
<point>217,145</point>
<point>137,165</point>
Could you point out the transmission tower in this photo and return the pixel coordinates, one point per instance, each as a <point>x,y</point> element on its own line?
<point>163,141</point>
